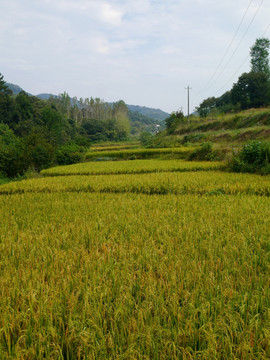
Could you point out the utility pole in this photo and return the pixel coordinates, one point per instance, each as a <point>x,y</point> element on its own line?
<point>188,88</point>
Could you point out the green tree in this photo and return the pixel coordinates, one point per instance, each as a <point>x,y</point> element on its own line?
<point>206,106</point>
<point>37,153</point>
<point>122,123</point>
<point>251,90</point>
<point>259,53</point>
<point>65,103</point>
<point>4,90</point>
<point>54,123</point>
<point>175,119</point>
<point>6,102</point>
<point>11,150</point>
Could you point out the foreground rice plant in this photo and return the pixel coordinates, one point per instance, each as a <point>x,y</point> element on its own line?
<point>132,167</point>
<point>92,268</point>
<point>127,276</point>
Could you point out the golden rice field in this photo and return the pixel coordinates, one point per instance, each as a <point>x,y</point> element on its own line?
<point>115,147</point>
<point>132,167</point>
<point>165,265</point>
<point>180,152</point>
<point>199,183</point>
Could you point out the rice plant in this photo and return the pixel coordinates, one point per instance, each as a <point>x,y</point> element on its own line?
<point>132,167</point>
<point>111,263</point>
<point>128,276</point>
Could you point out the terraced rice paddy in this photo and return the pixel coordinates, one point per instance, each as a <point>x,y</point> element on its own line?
<point>116,146</point>
<point>132,167</point>
<point>179,152</point>
<point>158,265</point>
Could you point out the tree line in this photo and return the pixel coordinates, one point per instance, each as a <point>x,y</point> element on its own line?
<point>252,90</point>
<point>35,133</point>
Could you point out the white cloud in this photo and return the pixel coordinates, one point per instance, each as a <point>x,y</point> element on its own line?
<point>110,15</point>
<point>101,45</point>
<point>97,10</point>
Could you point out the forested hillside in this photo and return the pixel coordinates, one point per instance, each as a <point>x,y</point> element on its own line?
<point>141,118</point>
<point>35,133</point>
<point>153,115</point>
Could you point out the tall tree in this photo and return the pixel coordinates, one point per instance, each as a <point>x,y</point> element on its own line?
<point>122,123</point>
<point>259,53</point>
<point>4,90</point>
<point>174,120</point>
<point>6,102</point>
<point>206,106</point>
<point>251,90</point>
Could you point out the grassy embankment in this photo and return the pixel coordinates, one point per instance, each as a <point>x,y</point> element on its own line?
<point>93,267</point>
<point>223,130</point>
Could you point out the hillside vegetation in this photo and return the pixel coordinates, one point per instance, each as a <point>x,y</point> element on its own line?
<point>227,129</point>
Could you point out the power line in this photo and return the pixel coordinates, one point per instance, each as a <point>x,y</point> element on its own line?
<point>266,30</point>
<point>228,48</point>
<point>236,72</point>
<point>243,63</point>
<point>239,43</point>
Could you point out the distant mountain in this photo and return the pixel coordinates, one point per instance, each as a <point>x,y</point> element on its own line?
<point>156,114</point>
<point>45,96</point>
<point>140,123</point>
<point>148,114</point>
<point>15,88</point>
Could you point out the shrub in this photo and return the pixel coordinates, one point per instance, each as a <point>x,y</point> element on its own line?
<point>70,154</point>
<point>174,120</point>
<point>205,153</point>
<point>37,153</point>
<point>11,159</point>
<point>253,157</point>
<point>145,138</point>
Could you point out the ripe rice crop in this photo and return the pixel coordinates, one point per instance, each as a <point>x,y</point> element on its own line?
<point>200,183</point>
<point>115,147</point>
<point>132,167</point>
<point>141,153</point>
<point>91,267</point>
<point>128,276</point>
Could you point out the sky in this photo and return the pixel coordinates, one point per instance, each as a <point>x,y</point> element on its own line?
<point>145,52</point>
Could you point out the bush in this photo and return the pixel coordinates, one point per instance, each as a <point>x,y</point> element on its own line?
<point>204,153</point>
<point>70,154</point>
<point>11,159</point>
<point>145,138</point>
<point>37,152</point>
<point>253,157</point>
<point>174,120</point>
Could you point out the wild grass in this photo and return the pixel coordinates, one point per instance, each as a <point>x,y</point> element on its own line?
<point>229,136</point>
<point>132,167</point>
<point>244,119</point>
<point>106,276</point>
<point>240,127</point>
